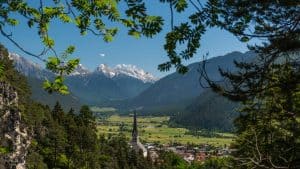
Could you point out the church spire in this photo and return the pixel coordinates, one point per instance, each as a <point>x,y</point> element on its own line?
<point>135,142</point>
<point>134,129</point>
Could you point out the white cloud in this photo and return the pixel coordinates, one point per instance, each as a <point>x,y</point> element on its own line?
<point>101,54</point>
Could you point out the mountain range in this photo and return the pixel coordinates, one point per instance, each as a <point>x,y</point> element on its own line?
<point>127,87</point>
<point>174,92</point>
<point>97,87</point>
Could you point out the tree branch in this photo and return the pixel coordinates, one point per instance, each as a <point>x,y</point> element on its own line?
<point>38,56</point>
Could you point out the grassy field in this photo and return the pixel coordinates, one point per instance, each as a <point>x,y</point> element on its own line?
<point>103,109</point>
<point>156,129</point>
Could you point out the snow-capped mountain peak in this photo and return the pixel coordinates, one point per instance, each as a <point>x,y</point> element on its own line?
<point>22,61</point>
<point>134,71</point>
<point>80,70</point>
<point>106,70</point>
<point>30,68</point>
<point>128,70</point>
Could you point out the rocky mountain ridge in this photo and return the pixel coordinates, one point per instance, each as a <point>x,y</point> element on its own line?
<point>30,68</point>
<point>87,87</point>
<point>129,70</point>
<point>14,137</point>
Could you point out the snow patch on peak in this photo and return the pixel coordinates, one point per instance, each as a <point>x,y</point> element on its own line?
<point>134,71</point>
<point>21,61</point>
<point>106,70</point>
<point>80,70</point>
<point>129,70</point>
<point>30,68</point>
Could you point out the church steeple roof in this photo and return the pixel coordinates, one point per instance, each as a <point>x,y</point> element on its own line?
<point>135,142</point>
<point>134,129</point>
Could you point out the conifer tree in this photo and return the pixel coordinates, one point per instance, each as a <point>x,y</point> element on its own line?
<point>268,129</point>
<point>58,113</point>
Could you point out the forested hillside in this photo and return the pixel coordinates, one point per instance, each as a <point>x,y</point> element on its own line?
<point>208,111</point>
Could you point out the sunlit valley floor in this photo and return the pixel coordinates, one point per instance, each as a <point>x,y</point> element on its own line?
<point>157,130</point>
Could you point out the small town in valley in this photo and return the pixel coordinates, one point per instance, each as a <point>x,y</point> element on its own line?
<point>189,153</point>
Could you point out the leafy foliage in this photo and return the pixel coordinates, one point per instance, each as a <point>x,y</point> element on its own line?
<point>271,21</point>
<point>268,129</point>
<point>61,67</point>
<point>88,16</point>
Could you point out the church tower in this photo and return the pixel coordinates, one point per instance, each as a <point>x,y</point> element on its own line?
<point>135,142</point>
<point>134,133</point>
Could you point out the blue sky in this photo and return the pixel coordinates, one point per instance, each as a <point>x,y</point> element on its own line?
<point>144,53</point>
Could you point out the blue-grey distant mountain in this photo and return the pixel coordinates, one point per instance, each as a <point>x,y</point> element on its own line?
<point>107,84</point>
<point>29,68</point>
<point>36,75</point>
<point>175,91</point>
<point>103,85</point>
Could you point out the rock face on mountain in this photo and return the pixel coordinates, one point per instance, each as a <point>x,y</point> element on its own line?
<point>126,70</point>
<point>29,68</point>
<point>14,137</point>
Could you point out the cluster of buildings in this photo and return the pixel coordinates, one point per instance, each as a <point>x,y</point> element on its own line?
<point>188,153</point>
<point>200,153</point>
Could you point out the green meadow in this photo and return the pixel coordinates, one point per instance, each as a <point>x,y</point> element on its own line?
<point>156,129</point>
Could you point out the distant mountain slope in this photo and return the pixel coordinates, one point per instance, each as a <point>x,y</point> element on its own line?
<point>208,111</point>
<point>175,91</point>
<point>29,68</point>
<point>40,95</point>
<point>96,88</point>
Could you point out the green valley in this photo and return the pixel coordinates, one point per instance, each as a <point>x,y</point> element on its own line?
<point>155,129</point>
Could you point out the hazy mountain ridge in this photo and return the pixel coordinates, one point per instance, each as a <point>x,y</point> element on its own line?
<point>175,91</point>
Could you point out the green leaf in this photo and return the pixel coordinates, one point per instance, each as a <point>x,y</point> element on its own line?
<point>63,90</point>
<point>30,23</point>
<point>53,64</point>
<point>245,39</point>
<point>70,49</point>
<point>127,22</point>
<point>135,34</point>
<point>181,5</point>
<point>56,86</point>
<point>108,38</point>
<point>48,41</point>
<point>71,65</point>
<point>58,80</point>
<point>12,22</point>
<point>65,18</point>
<point>47,85</point>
